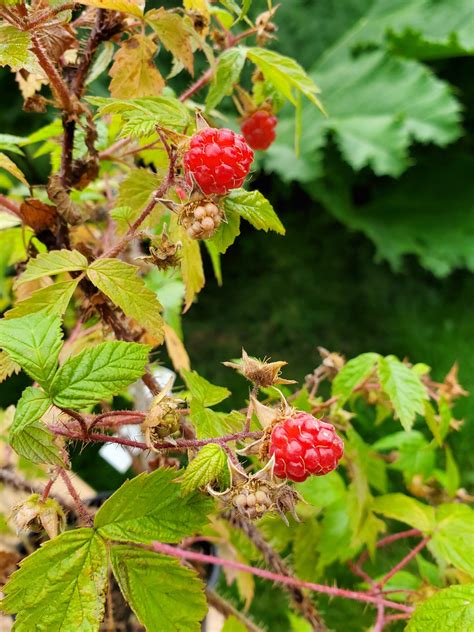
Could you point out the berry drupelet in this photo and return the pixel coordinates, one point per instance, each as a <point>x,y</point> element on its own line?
<point>218,160</point>
<point>304,445</point>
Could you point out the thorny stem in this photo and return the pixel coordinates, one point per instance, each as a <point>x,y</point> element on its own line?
<point>289,581</point>
<point>180,444</point>
<point>301,601</point>
<point>81,509</point>
<point>57,84</point>
<point>48,486</point>
<point>79,418</point>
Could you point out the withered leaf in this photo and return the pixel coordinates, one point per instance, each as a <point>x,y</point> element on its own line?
<point>38,215</point>
<point>134,73</point>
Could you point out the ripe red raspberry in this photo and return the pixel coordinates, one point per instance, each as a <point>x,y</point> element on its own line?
<point>218,160</point>
<point>304,445</point>
<point>259,129</point>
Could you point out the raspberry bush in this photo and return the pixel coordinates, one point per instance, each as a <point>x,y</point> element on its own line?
<point>305,485</point>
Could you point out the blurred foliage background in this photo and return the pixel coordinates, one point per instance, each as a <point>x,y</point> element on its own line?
<point>378,206</point>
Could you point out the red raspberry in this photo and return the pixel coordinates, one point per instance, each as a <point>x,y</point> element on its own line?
<point>304,445</point>
<point>259,129</point>
<point>218,160</point>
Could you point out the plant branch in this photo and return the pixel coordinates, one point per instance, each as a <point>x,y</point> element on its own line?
<point>301,601</point>
<point>58,85</point>
<point>81,509</point>
<point>10,206</point>
<point>398,567</point>
<point>289,581</point>
<point>17,482</point>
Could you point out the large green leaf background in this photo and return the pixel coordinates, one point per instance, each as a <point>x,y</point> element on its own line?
<point>378,66</point>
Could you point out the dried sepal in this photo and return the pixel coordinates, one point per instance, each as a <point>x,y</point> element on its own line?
<point>451,388</point>
<point>257,494</point>
<point>35,514</point>
<point>260,372</point>
<point>165,253</point>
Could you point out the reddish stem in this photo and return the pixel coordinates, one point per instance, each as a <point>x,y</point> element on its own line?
<point>197,85</point>
<point>81,509</point>
<point>380,621</point>
<point>57,84</point>
<point>180,444</point>
<point>10,206</point>
<point>421,545</point>
<point>47,487</point>
<point>409,533</point>
<point>282,579</point>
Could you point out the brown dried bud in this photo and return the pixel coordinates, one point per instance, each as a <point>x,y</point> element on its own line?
<point>201,218</point>
<point>165,254</point>
<point>163,417</point>
<point>451,388</point>
<point>261,372</point>
<point>34,514</point>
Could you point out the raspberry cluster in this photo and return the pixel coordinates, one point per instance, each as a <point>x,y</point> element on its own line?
<point>304,445</point>
<point>205,220</point>
<point>218,160</point>
<point>259,129</point>
<point>254,504</point>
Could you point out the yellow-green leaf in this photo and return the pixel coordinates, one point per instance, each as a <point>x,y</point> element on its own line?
<point>174,32</point>
<point>134,73</point>
<point>52,263</point>
<point>121,283</point>
<point>10,166</point>
<point>204,469</point>
<point>7,366</point>
<point>53,299</point>
<point>14,45</point>
<point>191,267</point>
<point>134,7</point>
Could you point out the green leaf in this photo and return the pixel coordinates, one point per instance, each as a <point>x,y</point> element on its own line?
<point>209,423</point>
<point>322,491</point>
<point>305,549</point>
<point>120,282</point>
<point>134,194</point>
<point>151,507</point>
<point>285,74</point>
<point>415,454</point>
<point>449,610</point>
<point>232,624</point>
<point>141,116</point>
<point>453,537</point>
<point>29,436</point>
<point>14,47</point>
<point>51,263</point>
<point>52,299</point>
<point>404,388</point>
<point>254,208</point>
<point>209,463</point>
<point>165,596</point>
<point>375,113</point>
<point>98,373</point>
<point>227,232</point>
<point>226,75</point>
<point>408,216</point>
<point>423,29</point>
<point>453,478</point>
<point>352,374</point>
<point>61,586</point>
<point>203,391</point>
<point>34,342</point>
<point>406,509</point>
<point>7,366</point>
